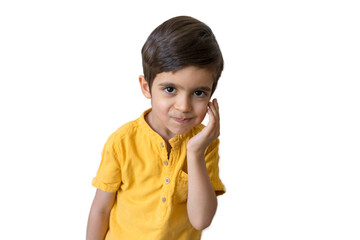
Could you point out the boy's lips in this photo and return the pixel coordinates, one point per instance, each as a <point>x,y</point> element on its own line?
<point>182,120</point>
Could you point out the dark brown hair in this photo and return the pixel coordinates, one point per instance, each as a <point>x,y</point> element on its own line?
<point>180,42</point>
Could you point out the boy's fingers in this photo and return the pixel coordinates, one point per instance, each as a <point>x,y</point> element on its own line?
<point>214,106</point>
<point>213,116</point>
<point>217,116</point>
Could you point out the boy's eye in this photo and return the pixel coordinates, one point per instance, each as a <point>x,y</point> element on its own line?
<point>169,89</point>
<point>200,93</point>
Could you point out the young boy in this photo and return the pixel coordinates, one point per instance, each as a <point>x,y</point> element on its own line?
<point>159,175</point>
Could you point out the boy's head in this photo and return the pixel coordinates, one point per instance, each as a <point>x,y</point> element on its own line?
<point>180,42</point>
<point>182,63</point>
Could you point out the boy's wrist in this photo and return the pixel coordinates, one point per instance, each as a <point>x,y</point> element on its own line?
<point>195,153</point>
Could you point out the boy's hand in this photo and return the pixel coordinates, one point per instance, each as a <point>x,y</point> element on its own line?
<point>202,140</point>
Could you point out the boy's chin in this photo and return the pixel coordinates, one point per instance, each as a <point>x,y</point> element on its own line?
<point>183,131</point>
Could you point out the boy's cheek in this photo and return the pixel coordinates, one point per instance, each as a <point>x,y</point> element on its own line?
<point>202,115</point>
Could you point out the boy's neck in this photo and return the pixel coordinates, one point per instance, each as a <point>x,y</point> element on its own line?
<point>149,118</point>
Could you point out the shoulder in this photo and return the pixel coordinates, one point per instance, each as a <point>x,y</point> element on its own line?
<point>126,131</point>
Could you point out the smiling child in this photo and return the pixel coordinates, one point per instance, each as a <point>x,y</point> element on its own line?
<point>159,175</point>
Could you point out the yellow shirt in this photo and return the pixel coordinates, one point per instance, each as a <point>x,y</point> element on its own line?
<point>151,187</point>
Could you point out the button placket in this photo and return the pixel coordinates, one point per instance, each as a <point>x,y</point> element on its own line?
<point>167,171</point>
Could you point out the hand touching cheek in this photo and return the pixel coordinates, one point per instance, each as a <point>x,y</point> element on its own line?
<point>202,140</point>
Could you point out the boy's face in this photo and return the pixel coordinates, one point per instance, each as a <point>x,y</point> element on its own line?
<point>179,100</point>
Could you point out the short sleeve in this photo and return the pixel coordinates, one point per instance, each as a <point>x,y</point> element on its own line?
<point>108,177</point>
<point>212,165</point>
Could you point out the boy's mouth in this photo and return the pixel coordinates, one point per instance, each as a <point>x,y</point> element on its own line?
<point>182,120</point>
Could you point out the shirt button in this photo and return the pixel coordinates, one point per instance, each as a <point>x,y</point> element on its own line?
<point>165,163</point>
<point>162,144</point>
<point>167,180</point>
<point>163,199</point>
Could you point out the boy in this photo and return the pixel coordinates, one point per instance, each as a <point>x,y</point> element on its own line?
<point>159,175</point>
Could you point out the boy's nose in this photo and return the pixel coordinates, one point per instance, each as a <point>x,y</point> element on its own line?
<point>183,104</point>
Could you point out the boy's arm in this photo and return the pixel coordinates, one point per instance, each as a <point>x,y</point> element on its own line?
<point>98,222</point>
<point>202,201</point>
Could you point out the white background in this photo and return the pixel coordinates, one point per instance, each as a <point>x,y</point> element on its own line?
<point>289,100</point>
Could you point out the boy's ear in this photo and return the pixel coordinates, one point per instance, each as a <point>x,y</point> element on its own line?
<point>144,85</point>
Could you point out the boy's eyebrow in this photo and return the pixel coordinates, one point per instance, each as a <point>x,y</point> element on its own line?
<point>205,89</point>
<point>169,84</point>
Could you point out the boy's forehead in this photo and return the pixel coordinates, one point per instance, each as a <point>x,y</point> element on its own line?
<point>190,76</point>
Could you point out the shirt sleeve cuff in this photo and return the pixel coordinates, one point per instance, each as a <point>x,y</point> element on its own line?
<point>106,187</point>
<point>218,187</point>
